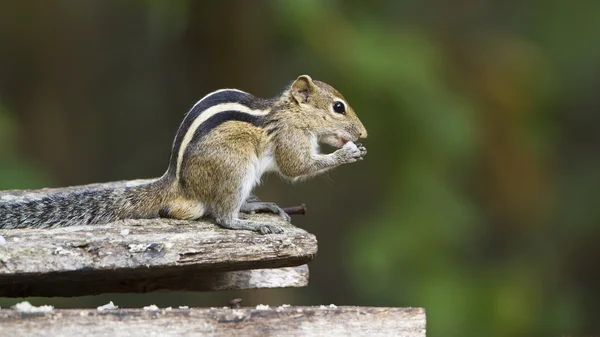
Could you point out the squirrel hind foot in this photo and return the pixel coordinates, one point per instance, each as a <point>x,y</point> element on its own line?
<point>262,206</point>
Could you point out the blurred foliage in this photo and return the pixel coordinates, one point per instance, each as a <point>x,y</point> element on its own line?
<point>478,198</point>
<point>14,173</point>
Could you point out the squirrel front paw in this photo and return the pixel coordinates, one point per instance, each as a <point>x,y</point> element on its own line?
<point>362,148</point>
<point>350,153</point>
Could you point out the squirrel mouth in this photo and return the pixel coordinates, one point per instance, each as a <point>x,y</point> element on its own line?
<point>337,140</point>
<point>344,138</point>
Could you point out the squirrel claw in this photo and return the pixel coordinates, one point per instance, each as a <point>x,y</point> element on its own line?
<point>361,148</point>
<point>270,229</point>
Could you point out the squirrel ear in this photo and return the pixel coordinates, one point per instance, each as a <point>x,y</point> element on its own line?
<point>302,88</point>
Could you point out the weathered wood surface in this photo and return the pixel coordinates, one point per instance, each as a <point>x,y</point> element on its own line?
<point>148,255</point>
<point>290,321</point>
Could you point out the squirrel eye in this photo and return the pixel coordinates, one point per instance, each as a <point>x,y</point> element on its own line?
<point>339,108</point>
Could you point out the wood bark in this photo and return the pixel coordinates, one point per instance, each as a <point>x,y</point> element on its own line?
<point>290,321</point>
<point>149,255</point>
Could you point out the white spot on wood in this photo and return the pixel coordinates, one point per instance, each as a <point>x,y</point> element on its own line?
<point>151,307</point>
<point>62,251</point>
<point>138,248</point>
<point>26,307</point>
<point>109,306</point>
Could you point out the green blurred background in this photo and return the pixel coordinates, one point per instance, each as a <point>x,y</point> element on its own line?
<point>478,199</point>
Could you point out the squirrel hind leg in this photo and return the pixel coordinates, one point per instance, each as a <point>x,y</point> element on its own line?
<point>182,210</point>
<point>225,211</point>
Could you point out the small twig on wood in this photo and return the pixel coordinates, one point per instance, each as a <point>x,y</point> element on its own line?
<point>295,210</point>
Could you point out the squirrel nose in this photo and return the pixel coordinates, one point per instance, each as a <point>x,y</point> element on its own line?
<point>359,130</point>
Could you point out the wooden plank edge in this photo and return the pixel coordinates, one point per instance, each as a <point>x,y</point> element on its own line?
<point>259,321</point>
<point>183,281</point>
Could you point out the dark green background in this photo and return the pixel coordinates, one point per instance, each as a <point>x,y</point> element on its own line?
<point>478,199</point>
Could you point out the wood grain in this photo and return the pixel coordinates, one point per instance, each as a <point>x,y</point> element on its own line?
<point>291,321</point>
<point>147,255</point>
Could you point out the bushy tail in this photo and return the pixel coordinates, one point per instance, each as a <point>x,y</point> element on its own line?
<point>64,209</point>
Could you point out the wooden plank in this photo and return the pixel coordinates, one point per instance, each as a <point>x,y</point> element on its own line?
<point>145,255</point>
<point>290,321</point>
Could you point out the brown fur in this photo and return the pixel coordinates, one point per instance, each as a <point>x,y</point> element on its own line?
<point>221,166</point>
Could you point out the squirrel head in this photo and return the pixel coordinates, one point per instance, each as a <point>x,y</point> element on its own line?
<point>325,111</point>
